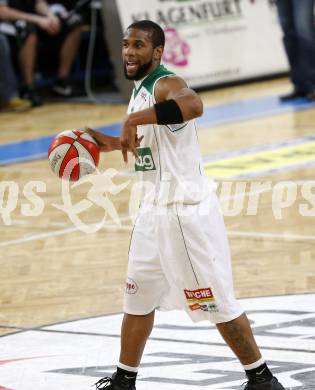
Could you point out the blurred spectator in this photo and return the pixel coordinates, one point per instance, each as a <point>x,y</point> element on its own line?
<point>297,22</point>
<point>26,22</point>
<point>68,41</point>
<point>9,100</point>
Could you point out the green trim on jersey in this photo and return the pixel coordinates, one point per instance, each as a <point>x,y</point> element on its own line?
<point>150,80</point>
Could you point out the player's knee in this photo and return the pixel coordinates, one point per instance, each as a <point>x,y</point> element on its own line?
<point>142,323</point>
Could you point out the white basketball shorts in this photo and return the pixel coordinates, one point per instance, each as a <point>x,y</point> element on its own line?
<point>179,258</point>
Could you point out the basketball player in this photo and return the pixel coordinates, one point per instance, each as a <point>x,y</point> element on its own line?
<point>179,255</point>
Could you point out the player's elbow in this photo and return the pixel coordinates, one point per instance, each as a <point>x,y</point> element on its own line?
<point>197,107</point>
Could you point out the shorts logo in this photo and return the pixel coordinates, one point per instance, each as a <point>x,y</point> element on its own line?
<point>201,299</point>
<point>131,287</point>
<point>145,160</point>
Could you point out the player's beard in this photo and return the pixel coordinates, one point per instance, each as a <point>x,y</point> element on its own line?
<point>141,72</point>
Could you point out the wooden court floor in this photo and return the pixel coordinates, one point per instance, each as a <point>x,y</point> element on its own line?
<point>50,271</point>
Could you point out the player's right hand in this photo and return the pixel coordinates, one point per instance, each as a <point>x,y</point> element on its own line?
<point>129,140</point>
<point>106,143</point>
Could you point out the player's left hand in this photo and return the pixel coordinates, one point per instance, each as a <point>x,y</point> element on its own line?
<point>129,140</point>
<point>107,143</point>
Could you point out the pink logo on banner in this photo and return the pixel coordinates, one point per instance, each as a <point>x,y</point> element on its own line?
<point>176,49</point>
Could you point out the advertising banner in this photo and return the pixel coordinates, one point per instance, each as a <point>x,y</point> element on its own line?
<point>211,42</point>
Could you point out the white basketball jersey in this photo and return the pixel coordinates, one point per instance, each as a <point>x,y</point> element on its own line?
<point>170,162</point>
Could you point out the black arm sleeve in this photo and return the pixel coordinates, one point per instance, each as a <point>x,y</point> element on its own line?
<point>168,113</point>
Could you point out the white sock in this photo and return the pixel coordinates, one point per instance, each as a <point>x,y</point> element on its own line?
<point>254,365</point>
<point>127,368</point>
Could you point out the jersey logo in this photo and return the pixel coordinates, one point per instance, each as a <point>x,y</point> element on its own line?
<point>144,96</point>
<point>145,161</point>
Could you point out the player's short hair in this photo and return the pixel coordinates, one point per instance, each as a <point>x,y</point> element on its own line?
<point>156,32</point>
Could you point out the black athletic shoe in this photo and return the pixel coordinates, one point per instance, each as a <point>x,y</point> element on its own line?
<point>273,384</point>
<point>62,88</point>
<point>30,93</point>
<point>110,384</point>
<point>295,94</point>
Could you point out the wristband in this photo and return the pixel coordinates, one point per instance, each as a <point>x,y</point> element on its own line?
<point>168,113</point>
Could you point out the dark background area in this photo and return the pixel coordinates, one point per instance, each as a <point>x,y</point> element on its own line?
<point>102,77</point>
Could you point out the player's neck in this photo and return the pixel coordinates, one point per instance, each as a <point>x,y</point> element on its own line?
<point>138,82</point>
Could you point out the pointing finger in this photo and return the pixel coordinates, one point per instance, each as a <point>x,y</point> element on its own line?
<point>125,154</point>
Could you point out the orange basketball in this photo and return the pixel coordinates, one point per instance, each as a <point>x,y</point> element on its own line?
<point>73,154</point>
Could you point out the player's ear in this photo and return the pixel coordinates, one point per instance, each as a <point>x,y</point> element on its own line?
<point>158,52</point>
